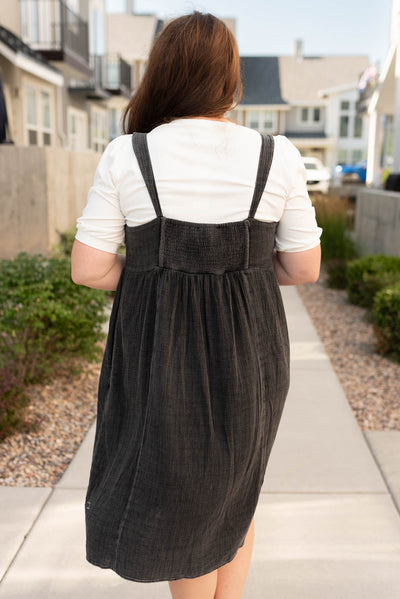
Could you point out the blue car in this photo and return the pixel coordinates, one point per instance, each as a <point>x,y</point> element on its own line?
<point>351,172</point>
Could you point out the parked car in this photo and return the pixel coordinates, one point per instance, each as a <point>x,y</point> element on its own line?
<point>351,173</point>
<point>318,175</point>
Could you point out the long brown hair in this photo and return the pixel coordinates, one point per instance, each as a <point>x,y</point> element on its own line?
<point>193,70</point>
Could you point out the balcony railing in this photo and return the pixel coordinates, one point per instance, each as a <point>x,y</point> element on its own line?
<point>110,73</point>
<point>51,27</point>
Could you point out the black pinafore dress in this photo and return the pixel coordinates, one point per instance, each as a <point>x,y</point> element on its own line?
<point>193,383</point>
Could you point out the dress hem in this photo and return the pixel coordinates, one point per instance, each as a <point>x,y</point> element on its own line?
<point>164,579</point>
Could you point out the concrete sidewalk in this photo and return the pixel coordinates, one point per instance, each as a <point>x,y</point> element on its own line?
<point>327,526</point>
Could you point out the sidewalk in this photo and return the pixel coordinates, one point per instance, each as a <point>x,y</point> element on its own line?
<point>326,526</point>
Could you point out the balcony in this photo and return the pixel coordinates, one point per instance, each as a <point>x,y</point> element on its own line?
<point>111,76</point>
<point>60,35</point>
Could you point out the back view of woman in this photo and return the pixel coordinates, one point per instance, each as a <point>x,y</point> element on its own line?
<point>196,368</point>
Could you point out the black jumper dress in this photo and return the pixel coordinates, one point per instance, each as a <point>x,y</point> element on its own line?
<point>193,383</point>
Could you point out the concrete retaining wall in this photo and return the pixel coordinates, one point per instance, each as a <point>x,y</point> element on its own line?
<point>377,222</point>
<point>42,191</point>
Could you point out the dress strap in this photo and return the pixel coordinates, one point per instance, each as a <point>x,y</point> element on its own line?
<point>141,149</point>
<point>264,165</point>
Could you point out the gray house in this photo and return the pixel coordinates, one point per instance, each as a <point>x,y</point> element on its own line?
<point>310,99</point>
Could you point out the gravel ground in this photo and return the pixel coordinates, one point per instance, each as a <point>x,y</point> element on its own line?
<point>61,412</point>
<point>59,415</point>
<point>371,381</point>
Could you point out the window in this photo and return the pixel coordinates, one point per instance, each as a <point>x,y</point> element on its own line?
<point>345,105</point>
<point>99,139</point>
<point>114,128</point>
<point>253,119</point>
<point>38,116</point>
<point>37,24</point>
<point>262,120</point>
<point>310,116</point>
<point>77,129</point>
<point>344,126</point>
<point>358,126</point>
<point>356,156</point>
<point>342,156</point>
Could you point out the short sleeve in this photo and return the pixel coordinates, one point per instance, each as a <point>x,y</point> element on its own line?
<point>297,229</point>
<point>102,223</point>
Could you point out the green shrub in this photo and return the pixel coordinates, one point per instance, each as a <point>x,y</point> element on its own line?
<point>386,318</point>
<point>334,216</point>
<point>336,270</point>
<point>44,316</point>
<point>12,403</point>
<point>366,276</point>
<point>64,247</point>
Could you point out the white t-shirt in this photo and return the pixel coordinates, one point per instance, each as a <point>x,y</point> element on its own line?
<point>205,172</point>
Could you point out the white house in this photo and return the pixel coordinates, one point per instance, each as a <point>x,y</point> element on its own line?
<point>310,99</point>
<point>384,110</point>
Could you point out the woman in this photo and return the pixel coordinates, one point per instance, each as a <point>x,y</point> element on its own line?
<point>196,367</point>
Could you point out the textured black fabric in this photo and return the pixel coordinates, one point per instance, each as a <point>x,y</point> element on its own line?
<point>193,383</point>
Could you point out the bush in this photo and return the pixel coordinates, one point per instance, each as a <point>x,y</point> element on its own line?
<point>366,276</point>
<point>334,216</point>
<point>64,247</point>
<point>12,403</point>
<point>386,318</point>
<point>44,316</point>
<point>337,245</point>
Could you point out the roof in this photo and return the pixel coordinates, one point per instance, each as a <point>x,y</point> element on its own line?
<point>18,46</point>
<point>301,80</point>
<point>261,81</point>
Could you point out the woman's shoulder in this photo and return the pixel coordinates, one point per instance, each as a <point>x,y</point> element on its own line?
<point>119,142</point>
<point>286,151</point>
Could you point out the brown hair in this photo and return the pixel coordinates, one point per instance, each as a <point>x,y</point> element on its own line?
<point>193,70</point>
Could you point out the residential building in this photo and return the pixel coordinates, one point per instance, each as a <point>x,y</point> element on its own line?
<point>310,99</point>
<point>32,87</point>
<point>132,36</point>
<point>384,110</point>
<point>68,87</point>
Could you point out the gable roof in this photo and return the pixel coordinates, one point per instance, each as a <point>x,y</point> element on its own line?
<point>301,80</point>
<point>261,81</point>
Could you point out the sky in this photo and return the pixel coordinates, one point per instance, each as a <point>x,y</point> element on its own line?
<point>270,27</point>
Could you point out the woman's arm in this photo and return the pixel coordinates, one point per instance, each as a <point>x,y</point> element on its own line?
<point>95,268</point>
<point>296,268</point>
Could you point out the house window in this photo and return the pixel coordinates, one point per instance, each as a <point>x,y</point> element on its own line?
<point>77,129</point>
<point>262,120</point>
<point>345,105</point>
<point>310,116</point>
<point>356,155</point>
<point>99,139</point>
<point>344,126</point>
<point>316,115</point>
<point>304,115</point>
<point>358,126</point>
<point>114,129</point>
<point>38,116</point>
<point>342,156</point>
<point>30,20</point>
